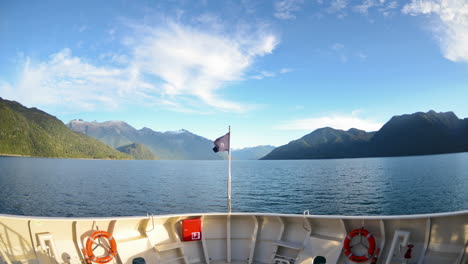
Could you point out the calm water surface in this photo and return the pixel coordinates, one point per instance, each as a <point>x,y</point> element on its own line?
<point>369,186</point>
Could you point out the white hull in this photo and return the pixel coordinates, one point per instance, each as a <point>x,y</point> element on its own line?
<point>235,238</point>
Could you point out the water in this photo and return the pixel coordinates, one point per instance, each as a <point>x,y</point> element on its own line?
<point>369,186</point>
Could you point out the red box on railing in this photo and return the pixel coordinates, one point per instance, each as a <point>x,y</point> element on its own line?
<point>191,229</point>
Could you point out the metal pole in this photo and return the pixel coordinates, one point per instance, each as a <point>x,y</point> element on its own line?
<point>228,241</point>
<point>229,173</point>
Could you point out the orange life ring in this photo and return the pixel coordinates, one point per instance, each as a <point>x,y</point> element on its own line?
<point>347,248</point>
<point>90,257</point>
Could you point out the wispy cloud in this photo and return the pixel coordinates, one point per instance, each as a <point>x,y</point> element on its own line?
<point>338,50</point>
<point>264,74</point>
<point>389,8</point>
<point>361,55</point>
<point>449,24</point>
<point>344,122</point>
<point>386,8</point>
<point>338,7</point>
<point>337,46</point>
<point>363,7</point>
<point>116,58</point>
<point>194,63</point>
<point>284,9</point>
<point>171,65</point>
<point>73,82</point>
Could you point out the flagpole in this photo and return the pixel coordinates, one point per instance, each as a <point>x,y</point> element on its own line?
<point>229,173</point>
<point>228,226</point>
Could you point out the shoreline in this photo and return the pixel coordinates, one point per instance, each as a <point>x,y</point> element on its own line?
<point>28,156</point>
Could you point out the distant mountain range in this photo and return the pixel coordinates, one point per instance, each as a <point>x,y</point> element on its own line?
<point>415,134</point>
<point>179,145</point>
<point>251,153</point>
<point>32,132</point>
<point>174,145</point>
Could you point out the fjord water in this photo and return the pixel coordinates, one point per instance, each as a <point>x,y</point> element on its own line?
<point>367,186</point>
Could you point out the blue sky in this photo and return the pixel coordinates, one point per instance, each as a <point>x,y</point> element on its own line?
<point>273,70</point>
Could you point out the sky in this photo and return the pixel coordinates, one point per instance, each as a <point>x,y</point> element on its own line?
<point>272,70</point>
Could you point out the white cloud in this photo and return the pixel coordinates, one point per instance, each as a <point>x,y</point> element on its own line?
<point>72,82</point>
<point>213,22</point>
<point>385,8</point>
<point>171,65</point>
<point>356,112</point>
<point>449,24</point>
<point>338,6</point>
<point>116,58</point>
<point>363,8</point>
<point>343,122</point>
<point>284,9</point>
<point>264,74</point>
<point>389,8</point>
<point>194,63</point>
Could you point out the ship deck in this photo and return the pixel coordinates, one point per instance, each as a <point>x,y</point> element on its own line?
<point>235,238</point>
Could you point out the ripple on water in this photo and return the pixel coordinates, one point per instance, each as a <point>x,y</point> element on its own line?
<point>374,186</point>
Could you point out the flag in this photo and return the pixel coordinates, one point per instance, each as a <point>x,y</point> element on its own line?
<point>222,143</point>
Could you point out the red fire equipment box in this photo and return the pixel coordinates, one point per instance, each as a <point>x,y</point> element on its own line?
<point>191,229</point>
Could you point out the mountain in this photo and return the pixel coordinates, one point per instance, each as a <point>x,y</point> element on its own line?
<point>325,143</point>
<point>420,134</point>
<point>251,153</point>
<point>414,134</point>
<point>32,132</point>
<point>138,151</point>
<point>113,133</point>
<point>181,145</point>
<point>464,131</point>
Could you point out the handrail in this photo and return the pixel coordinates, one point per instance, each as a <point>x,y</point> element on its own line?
<point>368,217</point>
